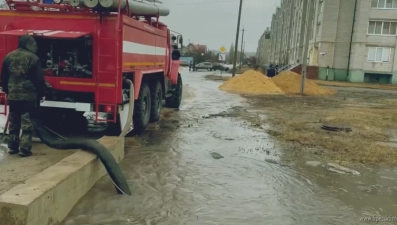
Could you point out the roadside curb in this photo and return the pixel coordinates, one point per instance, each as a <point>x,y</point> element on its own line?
<point>48,197</point>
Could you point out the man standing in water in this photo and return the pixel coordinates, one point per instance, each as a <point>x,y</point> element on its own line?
<point>22,79</point>
<point>194,65</point>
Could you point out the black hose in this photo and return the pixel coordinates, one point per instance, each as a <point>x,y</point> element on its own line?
<point>88,145</point>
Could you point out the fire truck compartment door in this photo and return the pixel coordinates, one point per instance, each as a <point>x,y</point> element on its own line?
<point>46,33</point>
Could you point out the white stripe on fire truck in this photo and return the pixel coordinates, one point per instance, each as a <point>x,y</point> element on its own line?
<point>52,32</point>
<point>136,48</point>
<point>39,31</point>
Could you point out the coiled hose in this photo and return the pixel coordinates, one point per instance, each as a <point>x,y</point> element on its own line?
<point>89,145</point>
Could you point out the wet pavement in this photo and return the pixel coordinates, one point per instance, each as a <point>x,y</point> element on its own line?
<point>15,170</point>
<point>175,179</point>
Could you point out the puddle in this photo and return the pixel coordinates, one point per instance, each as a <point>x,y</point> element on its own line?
<point>175,179</point>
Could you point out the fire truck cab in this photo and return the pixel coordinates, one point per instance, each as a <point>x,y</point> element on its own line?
<point>107,66</point>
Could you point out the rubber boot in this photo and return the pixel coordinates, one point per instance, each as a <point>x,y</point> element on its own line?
<point>13,151</point>
<point>13,146</point>
<point>24,152</point>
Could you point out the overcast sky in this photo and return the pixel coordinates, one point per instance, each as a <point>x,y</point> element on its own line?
<point>214,22</point>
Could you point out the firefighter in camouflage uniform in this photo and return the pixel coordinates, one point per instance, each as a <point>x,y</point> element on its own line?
<point>22,79</point>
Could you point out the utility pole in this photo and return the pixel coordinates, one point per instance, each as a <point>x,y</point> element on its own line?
<point>237,35</point>
<point>241,51</point>
<point>308,23</point>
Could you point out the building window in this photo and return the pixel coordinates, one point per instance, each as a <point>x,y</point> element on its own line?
<point>378,54</point>
<point>382,28</point>
<point>384,4</point>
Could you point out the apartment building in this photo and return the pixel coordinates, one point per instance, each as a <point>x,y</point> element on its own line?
<point>263,47</point>
<point>349,40</point>
<point>374,42</point>
<point>287,32</point>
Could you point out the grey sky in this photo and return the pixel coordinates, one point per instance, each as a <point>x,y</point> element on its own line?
<point>213,22</point>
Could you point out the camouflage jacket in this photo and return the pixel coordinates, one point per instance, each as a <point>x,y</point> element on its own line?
<point>22,77</point>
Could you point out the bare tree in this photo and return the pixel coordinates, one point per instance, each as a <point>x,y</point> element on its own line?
<point>231,54</point>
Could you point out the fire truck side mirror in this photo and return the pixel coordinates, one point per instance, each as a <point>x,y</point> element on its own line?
<point>180,42</point>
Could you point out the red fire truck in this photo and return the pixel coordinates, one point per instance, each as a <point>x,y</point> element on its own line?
<point>90,50</point>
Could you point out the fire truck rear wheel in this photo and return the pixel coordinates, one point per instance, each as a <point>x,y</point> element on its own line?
<point>142,109</point>
<point>175,100</point>
<point>156,92</point>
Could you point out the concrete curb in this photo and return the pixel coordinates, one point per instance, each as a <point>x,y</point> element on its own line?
<point>48,197</point>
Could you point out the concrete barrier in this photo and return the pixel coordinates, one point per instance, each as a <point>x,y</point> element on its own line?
<point>47,197</point>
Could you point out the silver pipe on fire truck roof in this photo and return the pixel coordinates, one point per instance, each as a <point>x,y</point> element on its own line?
<point>91,3</point>
<point>76,3</point>
<point>137,8</point>
<point>86,3</point>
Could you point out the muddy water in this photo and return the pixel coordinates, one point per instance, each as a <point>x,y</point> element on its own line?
<point>175,180</point>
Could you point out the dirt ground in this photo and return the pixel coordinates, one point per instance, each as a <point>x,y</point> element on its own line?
<point>296,122</point>
<point>358,85</point>
<point>215,77</point>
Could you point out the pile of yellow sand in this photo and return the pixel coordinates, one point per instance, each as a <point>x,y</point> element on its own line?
<point>290,83</point>
<point>251,82</point>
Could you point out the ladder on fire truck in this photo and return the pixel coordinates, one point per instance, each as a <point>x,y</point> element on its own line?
<point>102,77</point>
<point>122,116</point>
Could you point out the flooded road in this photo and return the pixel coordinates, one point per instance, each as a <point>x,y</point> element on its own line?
<point>174,179</point>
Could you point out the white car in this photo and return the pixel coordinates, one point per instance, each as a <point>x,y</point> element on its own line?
<point>227,66</point>
<point>203,66</point>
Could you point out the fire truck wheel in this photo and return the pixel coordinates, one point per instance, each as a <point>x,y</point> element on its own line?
<point>175,100</point>
<point>142,109</point>
<point>156,92</point>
